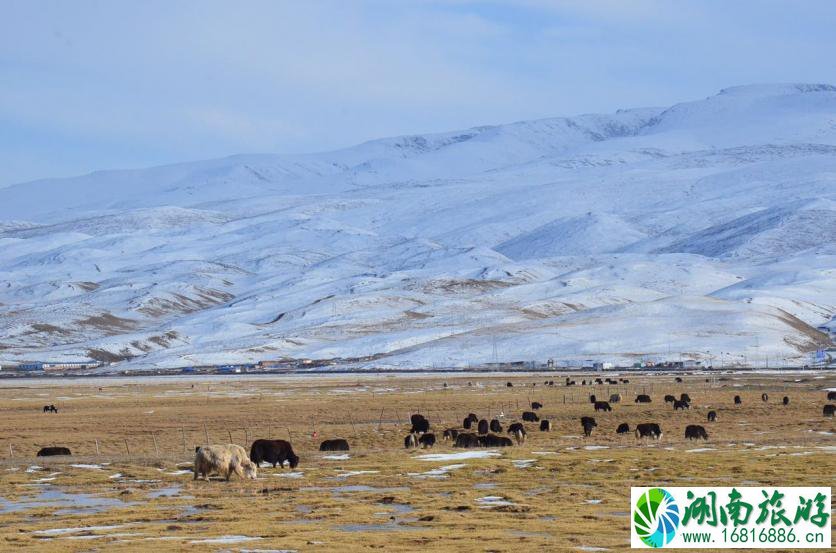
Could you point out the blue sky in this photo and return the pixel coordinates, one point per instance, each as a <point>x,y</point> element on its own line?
<point>87,85</point>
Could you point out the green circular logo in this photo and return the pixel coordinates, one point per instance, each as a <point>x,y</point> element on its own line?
<point>656,517</point>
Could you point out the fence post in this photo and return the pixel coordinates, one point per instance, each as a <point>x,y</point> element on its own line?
<point>380,418</point>
<point>156,451</point>
<point>11,451</point>
<point>206,432</point>
<point>183,432</point>
<point>127,449</point>
<point>97,446</point>
<point>351,420</point>
<point>229,433</point>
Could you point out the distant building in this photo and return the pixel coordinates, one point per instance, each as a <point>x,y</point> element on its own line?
<point>65,365</point>
<point>602,365</point>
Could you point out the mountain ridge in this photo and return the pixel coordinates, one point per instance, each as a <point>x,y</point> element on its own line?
<point>449,248</point>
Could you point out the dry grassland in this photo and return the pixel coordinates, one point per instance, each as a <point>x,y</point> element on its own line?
<point>558,492</point>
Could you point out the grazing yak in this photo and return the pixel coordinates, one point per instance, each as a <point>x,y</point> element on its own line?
<point>764,397</point>
<point>492,440</point>
<point>483,427</point>
<point>50,409</point>
<point>828,410</point>
<point>615,398</point>
<point>467,423</point>
<point>426,440</point>
<point>517,430</point>
<point>786,400</point>
<point>50,451</point>
<point>223,460</point>
<point>273,451</point>
<point>602,406</point>
<point>695,432</point>
<point>598,381</point>
<point>530,416</point>
<point>509,385</point>
<point>678,379</point>
<point>588,423</point>
<point>545,425</point>
<point>712,416</point>
<point>669,398</point>
<point>623,428</point>
<point>535,405</point>
<point>338,444</point>
<point>592,398</point>
<point>679,404</point>
<point>642,398</point>
<point>410,441</point>
<point>419,424</point>
<point>831,396</point>
<point>450,434</point>
<point>496,426</point>
<point>467,439</point>
<point>648,429</point>
<point>685,397</point>
<point>737,400</point>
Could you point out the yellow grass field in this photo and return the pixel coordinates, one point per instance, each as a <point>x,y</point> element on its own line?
<point>557,492</point>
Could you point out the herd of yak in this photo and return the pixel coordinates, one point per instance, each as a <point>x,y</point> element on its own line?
<point>474,432</point>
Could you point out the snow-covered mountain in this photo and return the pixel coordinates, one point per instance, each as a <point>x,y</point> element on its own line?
<point>707,228</point>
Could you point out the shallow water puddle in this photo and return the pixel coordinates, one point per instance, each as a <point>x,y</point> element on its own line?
<point>490,501</point>
<point>343,457</point>
<point>75,503</point>
<point>440,472</point>
<point>268,551</point>
<point>384,527</point>
<point>77,530</point>
<point>101,536</point>
<point>399,508</point>
<point>299,474</point>
<point>227,539</point>
<point>523,463</point>
<point>529,534</point>
<point>355,488</point>
<point>169,491</point>
<point>348,473</point>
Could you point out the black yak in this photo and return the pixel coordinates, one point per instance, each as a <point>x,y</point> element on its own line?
<point>274,452</point>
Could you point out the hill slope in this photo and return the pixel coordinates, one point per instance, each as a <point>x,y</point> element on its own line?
<point>706,228</point>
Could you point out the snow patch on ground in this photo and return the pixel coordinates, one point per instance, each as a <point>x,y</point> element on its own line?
<point>458,456</point>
